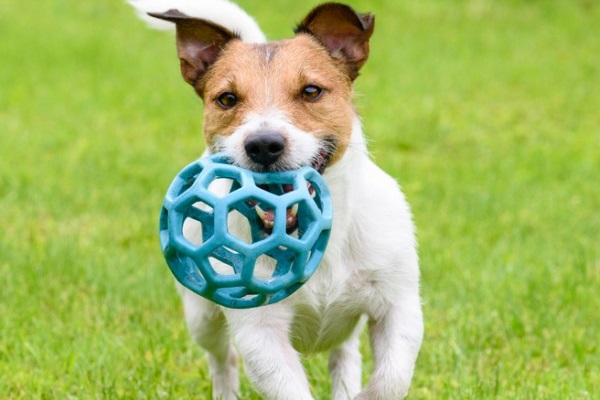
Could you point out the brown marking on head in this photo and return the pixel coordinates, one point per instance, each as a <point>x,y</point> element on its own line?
<point>324,58</point>
<point>272,77</point>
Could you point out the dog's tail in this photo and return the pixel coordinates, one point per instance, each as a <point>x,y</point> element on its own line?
<point>222,12</point>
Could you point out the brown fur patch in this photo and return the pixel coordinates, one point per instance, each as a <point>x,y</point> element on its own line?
<point>271,76</point>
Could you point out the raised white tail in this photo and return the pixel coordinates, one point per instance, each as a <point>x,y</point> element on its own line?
<point>222,12</point>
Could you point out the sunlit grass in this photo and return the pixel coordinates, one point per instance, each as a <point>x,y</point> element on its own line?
<point>486,112</point>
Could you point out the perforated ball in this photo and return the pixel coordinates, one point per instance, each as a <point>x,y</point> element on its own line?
<point>259,236</point>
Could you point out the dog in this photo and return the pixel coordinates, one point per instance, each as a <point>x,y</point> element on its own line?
<point>281,105</point>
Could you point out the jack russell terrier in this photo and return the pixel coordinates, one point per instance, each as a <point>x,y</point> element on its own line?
<point>281,105</point>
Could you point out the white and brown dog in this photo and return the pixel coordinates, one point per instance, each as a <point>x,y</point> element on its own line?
<point>281,105</point>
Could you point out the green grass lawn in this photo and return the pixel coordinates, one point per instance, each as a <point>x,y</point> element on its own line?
<point>487,112</point>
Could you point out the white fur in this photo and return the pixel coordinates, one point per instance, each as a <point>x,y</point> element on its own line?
<point>369,272</point>
<point>301,147</point>
<point>222,12</point>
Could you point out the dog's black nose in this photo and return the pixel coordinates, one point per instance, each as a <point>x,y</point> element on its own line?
<point>265,148</point>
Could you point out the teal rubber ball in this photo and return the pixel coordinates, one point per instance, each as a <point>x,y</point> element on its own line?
<point>257,236</point>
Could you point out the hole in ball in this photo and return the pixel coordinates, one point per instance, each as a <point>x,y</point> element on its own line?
<point>220,268</point>
<point>221,187</point>
<point>238,223</point>
<point>265,267</point>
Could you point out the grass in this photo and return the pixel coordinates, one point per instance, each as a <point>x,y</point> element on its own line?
<point>486,112</point>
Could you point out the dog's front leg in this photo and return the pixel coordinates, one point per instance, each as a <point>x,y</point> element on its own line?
<point>396,336</point>
<point>271,363</point>
<point>207,327</point>
<point>345,364</point>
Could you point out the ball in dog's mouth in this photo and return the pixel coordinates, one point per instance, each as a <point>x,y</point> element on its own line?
<point>267,216</point>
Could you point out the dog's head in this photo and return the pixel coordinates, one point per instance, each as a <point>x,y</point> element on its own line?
<point>278,105</point>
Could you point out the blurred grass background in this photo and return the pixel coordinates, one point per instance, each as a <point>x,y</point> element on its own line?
<point>487,112</point>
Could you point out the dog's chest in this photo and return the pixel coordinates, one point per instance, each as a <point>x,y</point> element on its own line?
<point>327,308</point>
<point>326,312</point>
<point>319,329</point>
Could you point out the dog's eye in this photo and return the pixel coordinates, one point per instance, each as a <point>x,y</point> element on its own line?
<point>311,93</point>
<point>227,100</point>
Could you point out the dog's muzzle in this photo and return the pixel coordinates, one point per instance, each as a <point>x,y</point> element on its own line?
<point>266,147</point>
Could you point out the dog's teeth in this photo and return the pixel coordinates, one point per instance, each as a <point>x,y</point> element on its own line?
<point>262,214</point>
<point>294,210</point>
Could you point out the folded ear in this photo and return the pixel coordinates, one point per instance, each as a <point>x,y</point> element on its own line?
<point>199,43</point>
<point>344,33</point>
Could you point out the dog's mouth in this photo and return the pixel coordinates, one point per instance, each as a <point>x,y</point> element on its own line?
<point>322,158</point>
<point>266,216</point>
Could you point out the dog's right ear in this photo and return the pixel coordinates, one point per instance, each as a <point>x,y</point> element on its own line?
<point>342,31</point>
<point>199,43</point>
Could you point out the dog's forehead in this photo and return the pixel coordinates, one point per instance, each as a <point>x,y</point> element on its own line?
<point>271,51</point>
<point>285,58</point>
<point>267,51</point>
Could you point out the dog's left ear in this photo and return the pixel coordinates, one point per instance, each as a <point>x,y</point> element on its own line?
<point>342,31</point>
<point>199,44</point>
